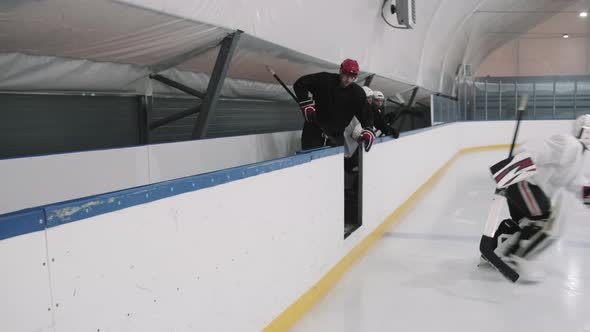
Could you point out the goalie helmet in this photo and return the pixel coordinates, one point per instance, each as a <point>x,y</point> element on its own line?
<point>368,91</point>
<point>378,95</point>
<point>581,129</point>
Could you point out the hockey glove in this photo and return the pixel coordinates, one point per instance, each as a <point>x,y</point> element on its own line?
<point>308,110</point>
<point>368,137</point>
<point>586,195</point>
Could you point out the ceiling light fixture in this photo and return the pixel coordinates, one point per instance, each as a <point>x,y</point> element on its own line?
<point>583,14</point>
<point>566,36</point>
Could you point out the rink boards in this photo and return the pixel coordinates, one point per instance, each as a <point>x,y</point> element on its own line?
<point>224,251</point>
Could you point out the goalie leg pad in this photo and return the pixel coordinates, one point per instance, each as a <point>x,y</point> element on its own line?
<point>493,222</point>
<point>506,243</point>
<point>536,237</point>
<point>527,200</point>
<point>505,239</point>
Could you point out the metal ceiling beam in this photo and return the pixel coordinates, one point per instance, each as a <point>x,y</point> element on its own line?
<point>176,85</point>
<point>145,110</point>
<point>414,93</point>
<point>226,52</point>
<point>394,101</point>
<point>369,80</point>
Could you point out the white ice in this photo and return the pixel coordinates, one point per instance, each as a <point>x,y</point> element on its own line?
<point>422,275</point>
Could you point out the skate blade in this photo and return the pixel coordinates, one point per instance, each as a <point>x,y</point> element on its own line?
<point>484,263</point>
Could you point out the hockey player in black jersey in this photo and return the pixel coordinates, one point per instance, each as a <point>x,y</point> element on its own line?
<point>329,102</point>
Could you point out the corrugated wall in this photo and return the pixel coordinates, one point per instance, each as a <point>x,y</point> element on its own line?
<point>45,124</point>
<point>232,118</point>
<point>36,124</point>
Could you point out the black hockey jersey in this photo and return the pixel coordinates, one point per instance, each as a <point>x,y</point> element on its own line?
<point>335,105</point>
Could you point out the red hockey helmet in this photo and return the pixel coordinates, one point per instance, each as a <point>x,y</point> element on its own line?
<point>350,67</point>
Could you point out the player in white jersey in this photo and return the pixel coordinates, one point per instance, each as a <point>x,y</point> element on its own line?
<point>531,183</point>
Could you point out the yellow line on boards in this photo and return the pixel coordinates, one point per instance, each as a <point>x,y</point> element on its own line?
<point>297,309</point>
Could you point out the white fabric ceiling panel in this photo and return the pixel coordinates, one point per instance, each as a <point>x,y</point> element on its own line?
<point>326,30</point>
<point>105,46</point>
<point>232,88</point>
<point>24,72</point>
<point>348,28</point>
<point>100,30</point>
<point>253,55</point>
<point>109,44</point>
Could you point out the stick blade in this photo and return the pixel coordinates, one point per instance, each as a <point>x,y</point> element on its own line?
<point>270,70</point>
<point>524,100</point>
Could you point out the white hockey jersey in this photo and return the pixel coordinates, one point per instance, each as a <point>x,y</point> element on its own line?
<point>561,164</point>
<point>350,141</point>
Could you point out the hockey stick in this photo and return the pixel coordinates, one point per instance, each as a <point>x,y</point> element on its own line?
<point>274,74</point>
<point>524,99</point>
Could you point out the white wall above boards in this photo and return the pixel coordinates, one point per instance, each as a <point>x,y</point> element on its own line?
<point>175,160</point>
<point>29,182</point>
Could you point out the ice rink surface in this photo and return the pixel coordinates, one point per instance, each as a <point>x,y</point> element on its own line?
<point>422,275</point>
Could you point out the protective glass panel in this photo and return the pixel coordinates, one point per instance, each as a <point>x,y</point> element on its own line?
<point>480,101</point>
<point>493,101</point>
<point>583,98</point>
<point>543,109</point>
<point>564,100</point>
<point>508,101</point>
